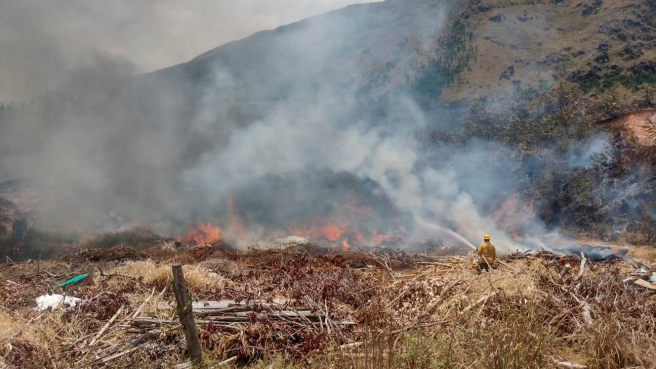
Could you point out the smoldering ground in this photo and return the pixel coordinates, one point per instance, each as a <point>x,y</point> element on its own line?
<point>283,143</point>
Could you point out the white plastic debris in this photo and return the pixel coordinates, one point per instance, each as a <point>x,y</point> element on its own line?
<point>652,276</point>
<point>46,301</point>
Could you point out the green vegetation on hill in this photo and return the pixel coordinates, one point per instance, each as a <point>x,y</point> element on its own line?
<point>453,56</point>
<point>624,56</point>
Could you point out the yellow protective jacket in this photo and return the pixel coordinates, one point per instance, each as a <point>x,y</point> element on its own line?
<point>488,250</point>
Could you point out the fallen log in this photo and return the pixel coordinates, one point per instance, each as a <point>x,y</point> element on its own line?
<point>227,320</point>
<point>224,306</point>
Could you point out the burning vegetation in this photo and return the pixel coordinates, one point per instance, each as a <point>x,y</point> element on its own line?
<point>539,178</point>
<point>203,233</point>
<point>354,224</point>
<point>328,233</point>
<point>329,280</point>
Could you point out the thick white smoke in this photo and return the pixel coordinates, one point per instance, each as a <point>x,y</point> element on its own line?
<point>308,139</point>
<point>264,115</point>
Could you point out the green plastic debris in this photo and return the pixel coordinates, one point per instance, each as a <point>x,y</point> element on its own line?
<point>74,280</point>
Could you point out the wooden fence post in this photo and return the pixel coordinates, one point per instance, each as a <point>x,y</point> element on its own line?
<point>183,300</point>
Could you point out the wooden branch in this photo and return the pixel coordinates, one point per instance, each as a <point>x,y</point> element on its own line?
<point>435,263</point>
<point>225,306</point>
<point>95,339</point>
<point>148,335</point>
<point>643,283</point>
<point>8,337</point>
<point>508,265</point>
<point>567,364</point>
<point>564,271</point>
<point>389,304</point>
<point>107,359</point>
<point>585,307</point>
<point>438,300</point>
<point>481,300</point>
<point>136,313</point>
<point>225,362</point>
<point>581,268</point>
<point>12,282</point>
<point>349,346</point>
<point>185,312</point>
<point>143,321</point>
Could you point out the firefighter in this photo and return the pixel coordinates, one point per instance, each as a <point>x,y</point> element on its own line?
<point>487,253</point>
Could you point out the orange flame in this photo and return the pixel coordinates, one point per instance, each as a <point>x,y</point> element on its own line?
<point>297,230</point>
<point>203,233</point>
<point>401,228</point>
<point>379,238</point>
<point>338,234</point>
<point>359,238</point>
<point>236,225</point>
<point>271,237</point>
<point>331,232</point>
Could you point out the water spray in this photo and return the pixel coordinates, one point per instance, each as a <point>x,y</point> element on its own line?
<point>448,231</point>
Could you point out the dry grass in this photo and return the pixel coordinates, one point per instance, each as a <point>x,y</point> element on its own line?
<point>150,272</point>
<point>445,315</point>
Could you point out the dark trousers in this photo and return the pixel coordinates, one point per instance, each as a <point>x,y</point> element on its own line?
<point>483,267</point>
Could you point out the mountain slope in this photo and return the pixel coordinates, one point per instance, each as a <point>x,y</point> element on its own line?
<point>437,50</point>
<point>595,43</point>
<point>322,116</point>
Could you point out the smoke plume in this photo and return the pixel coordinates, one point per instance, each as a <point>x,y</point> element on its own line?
<point>44,42</point>
<point>282,128</point>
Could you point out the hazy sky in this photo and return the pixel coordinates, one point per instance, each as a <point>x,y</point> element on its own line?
<point>42,42</point>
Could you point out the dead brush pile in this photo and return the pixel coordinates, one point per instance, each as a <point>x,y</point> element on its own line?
<point>306,306</point>
<point>534,311</point>
<point>288,282</point>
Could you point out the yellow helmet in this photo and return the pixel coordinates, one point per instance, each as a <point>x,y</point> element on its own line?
<point>486,237</point>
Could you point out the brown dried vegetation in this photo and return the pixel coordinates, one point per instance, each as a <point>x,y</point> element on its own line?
<point>533,311</point>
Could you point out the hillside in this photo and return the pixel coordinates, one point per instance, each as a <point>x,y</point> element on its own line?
<point>438,50</point>
<point>354,128</point>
